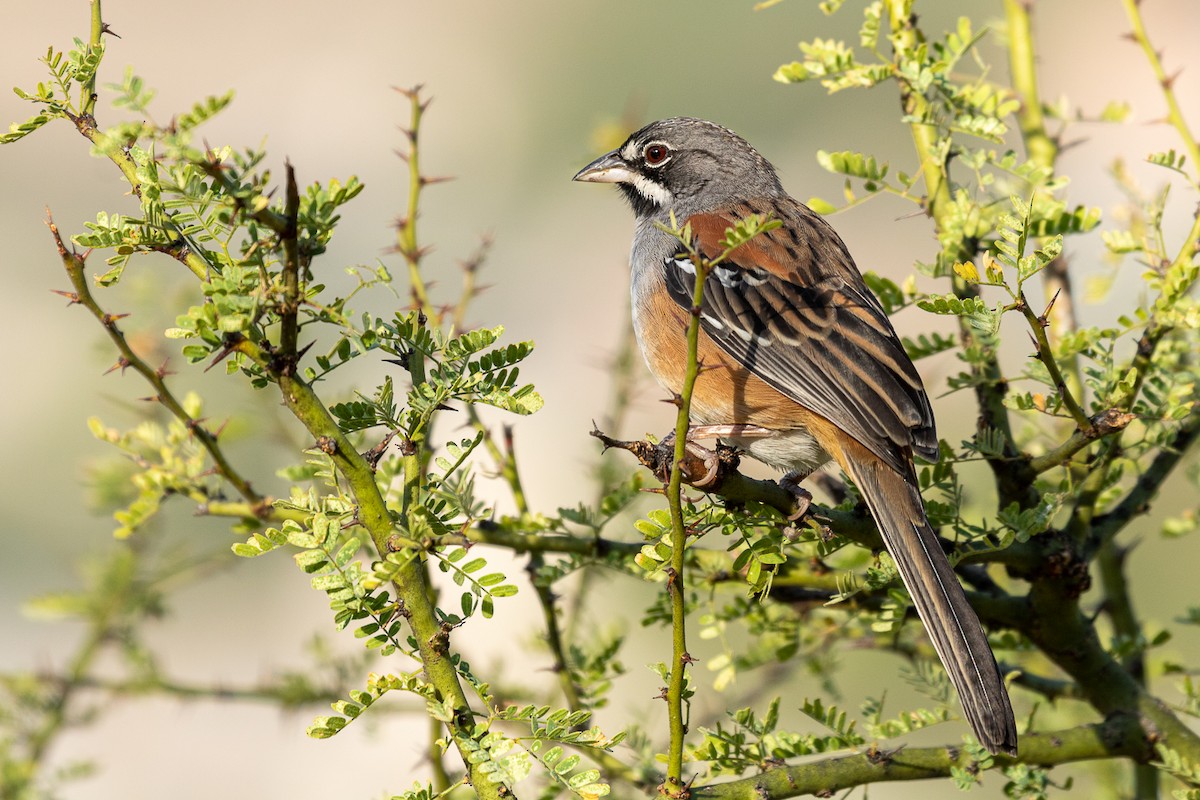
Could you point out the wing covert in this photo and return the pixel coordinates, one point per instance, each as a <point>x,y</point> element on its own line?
<point>798,315</point>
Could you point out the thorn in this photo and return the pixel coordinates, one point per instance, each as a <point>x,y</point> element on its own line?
<point>414,254</point>
<point>401,362</point>
<point>412,92</point>
<point>104,28</point>
<point>224,354</point>
<point>111,319</point>
<point>1049,307</point>
<point>373,455</point>
<point>72,297</point>
<point>672,577</point>
<point>432,179</point>
<point>216,434</point>
<point>1169,81</point>
<point>162,371</point>
<point>122,364</point>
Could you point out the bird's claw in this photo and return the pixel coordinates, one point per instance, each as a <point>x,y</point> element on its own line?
<point>802,497</point>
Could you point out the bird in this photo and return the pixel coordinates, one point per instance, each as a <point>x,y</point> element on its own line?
<point>799,357</point>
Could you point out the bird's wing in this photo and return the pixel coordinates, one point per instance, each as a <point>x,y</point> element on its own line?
<point>792,307</point>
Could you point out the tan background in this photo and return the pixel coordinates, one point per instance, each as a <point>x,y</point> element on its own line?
<point>520,90</point>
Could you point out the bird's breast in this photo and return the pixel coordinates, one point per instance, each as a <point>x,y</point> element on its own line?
<point>725,391</point>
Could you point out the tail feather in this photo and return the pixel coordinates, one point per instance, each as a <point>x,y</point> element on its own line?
<point>950,621</point>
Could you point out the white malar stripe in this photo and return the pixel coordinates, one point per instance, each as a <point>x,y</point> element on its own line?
<point>654,192</point>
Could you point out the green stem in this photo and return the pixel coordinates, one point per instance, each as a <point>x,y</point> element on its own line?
<point>1066,635</point>
<point>114,151</point>
<point>1022,65</point>
<point>156,377</point>
<point>1106,423</point>
<point>283,693</point>
<point>87,92</point>
<point>407,242</point>
<point>1013,481</point>
<point>905,38</point>
<point>1156,330</point>
<point>1046,355</point>
<point>1174,113</point>
<point>676,584</point>
<point>1116,737</point>
<point>411,585</point>
<point>1137,502</point>
<point>1042,149</point>
<point>506,464</point>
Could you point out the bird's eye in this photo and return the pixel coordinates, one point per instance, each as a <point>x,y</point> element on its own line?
<point>656,153</point>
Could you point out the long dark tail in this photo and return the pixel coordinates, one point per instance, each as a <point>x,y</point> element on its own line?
<point>951,622</point>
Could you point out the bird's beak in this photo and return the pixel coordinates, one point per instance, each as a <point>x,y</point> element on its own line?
<point>608,168</point>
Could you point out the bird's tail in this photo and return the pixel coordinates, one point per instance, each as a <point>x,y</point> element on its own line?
<point>952,624</point>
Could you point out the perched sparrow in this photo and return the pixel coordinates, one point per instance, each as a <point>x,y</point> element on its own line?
<point>794,342</point>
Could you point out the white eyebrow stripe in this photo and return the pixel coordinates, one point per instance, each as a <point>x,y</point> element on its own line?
<point>630,152</point>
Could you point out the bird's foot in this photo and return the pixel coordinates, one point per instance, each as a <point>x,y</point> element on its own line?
<point>802,497</point>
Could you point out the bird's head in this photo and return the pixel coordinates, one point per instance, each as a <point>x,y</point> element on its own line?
<point>684,165</point>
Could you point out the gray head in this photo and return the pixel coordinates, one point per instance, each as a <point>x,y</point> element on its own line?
<point>686,165</point>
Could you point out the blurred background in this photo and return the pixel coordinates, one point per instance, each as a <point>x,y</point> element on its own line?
<point>524,94</point>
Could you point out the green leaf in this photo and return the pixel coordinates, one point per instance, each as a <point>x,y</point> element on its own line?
<point>820,206</point>
<point>20,130</point>
<point>856,165</point>
<point>203,111</point>
<point>1170,160</point>
<point>1115,111</point>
